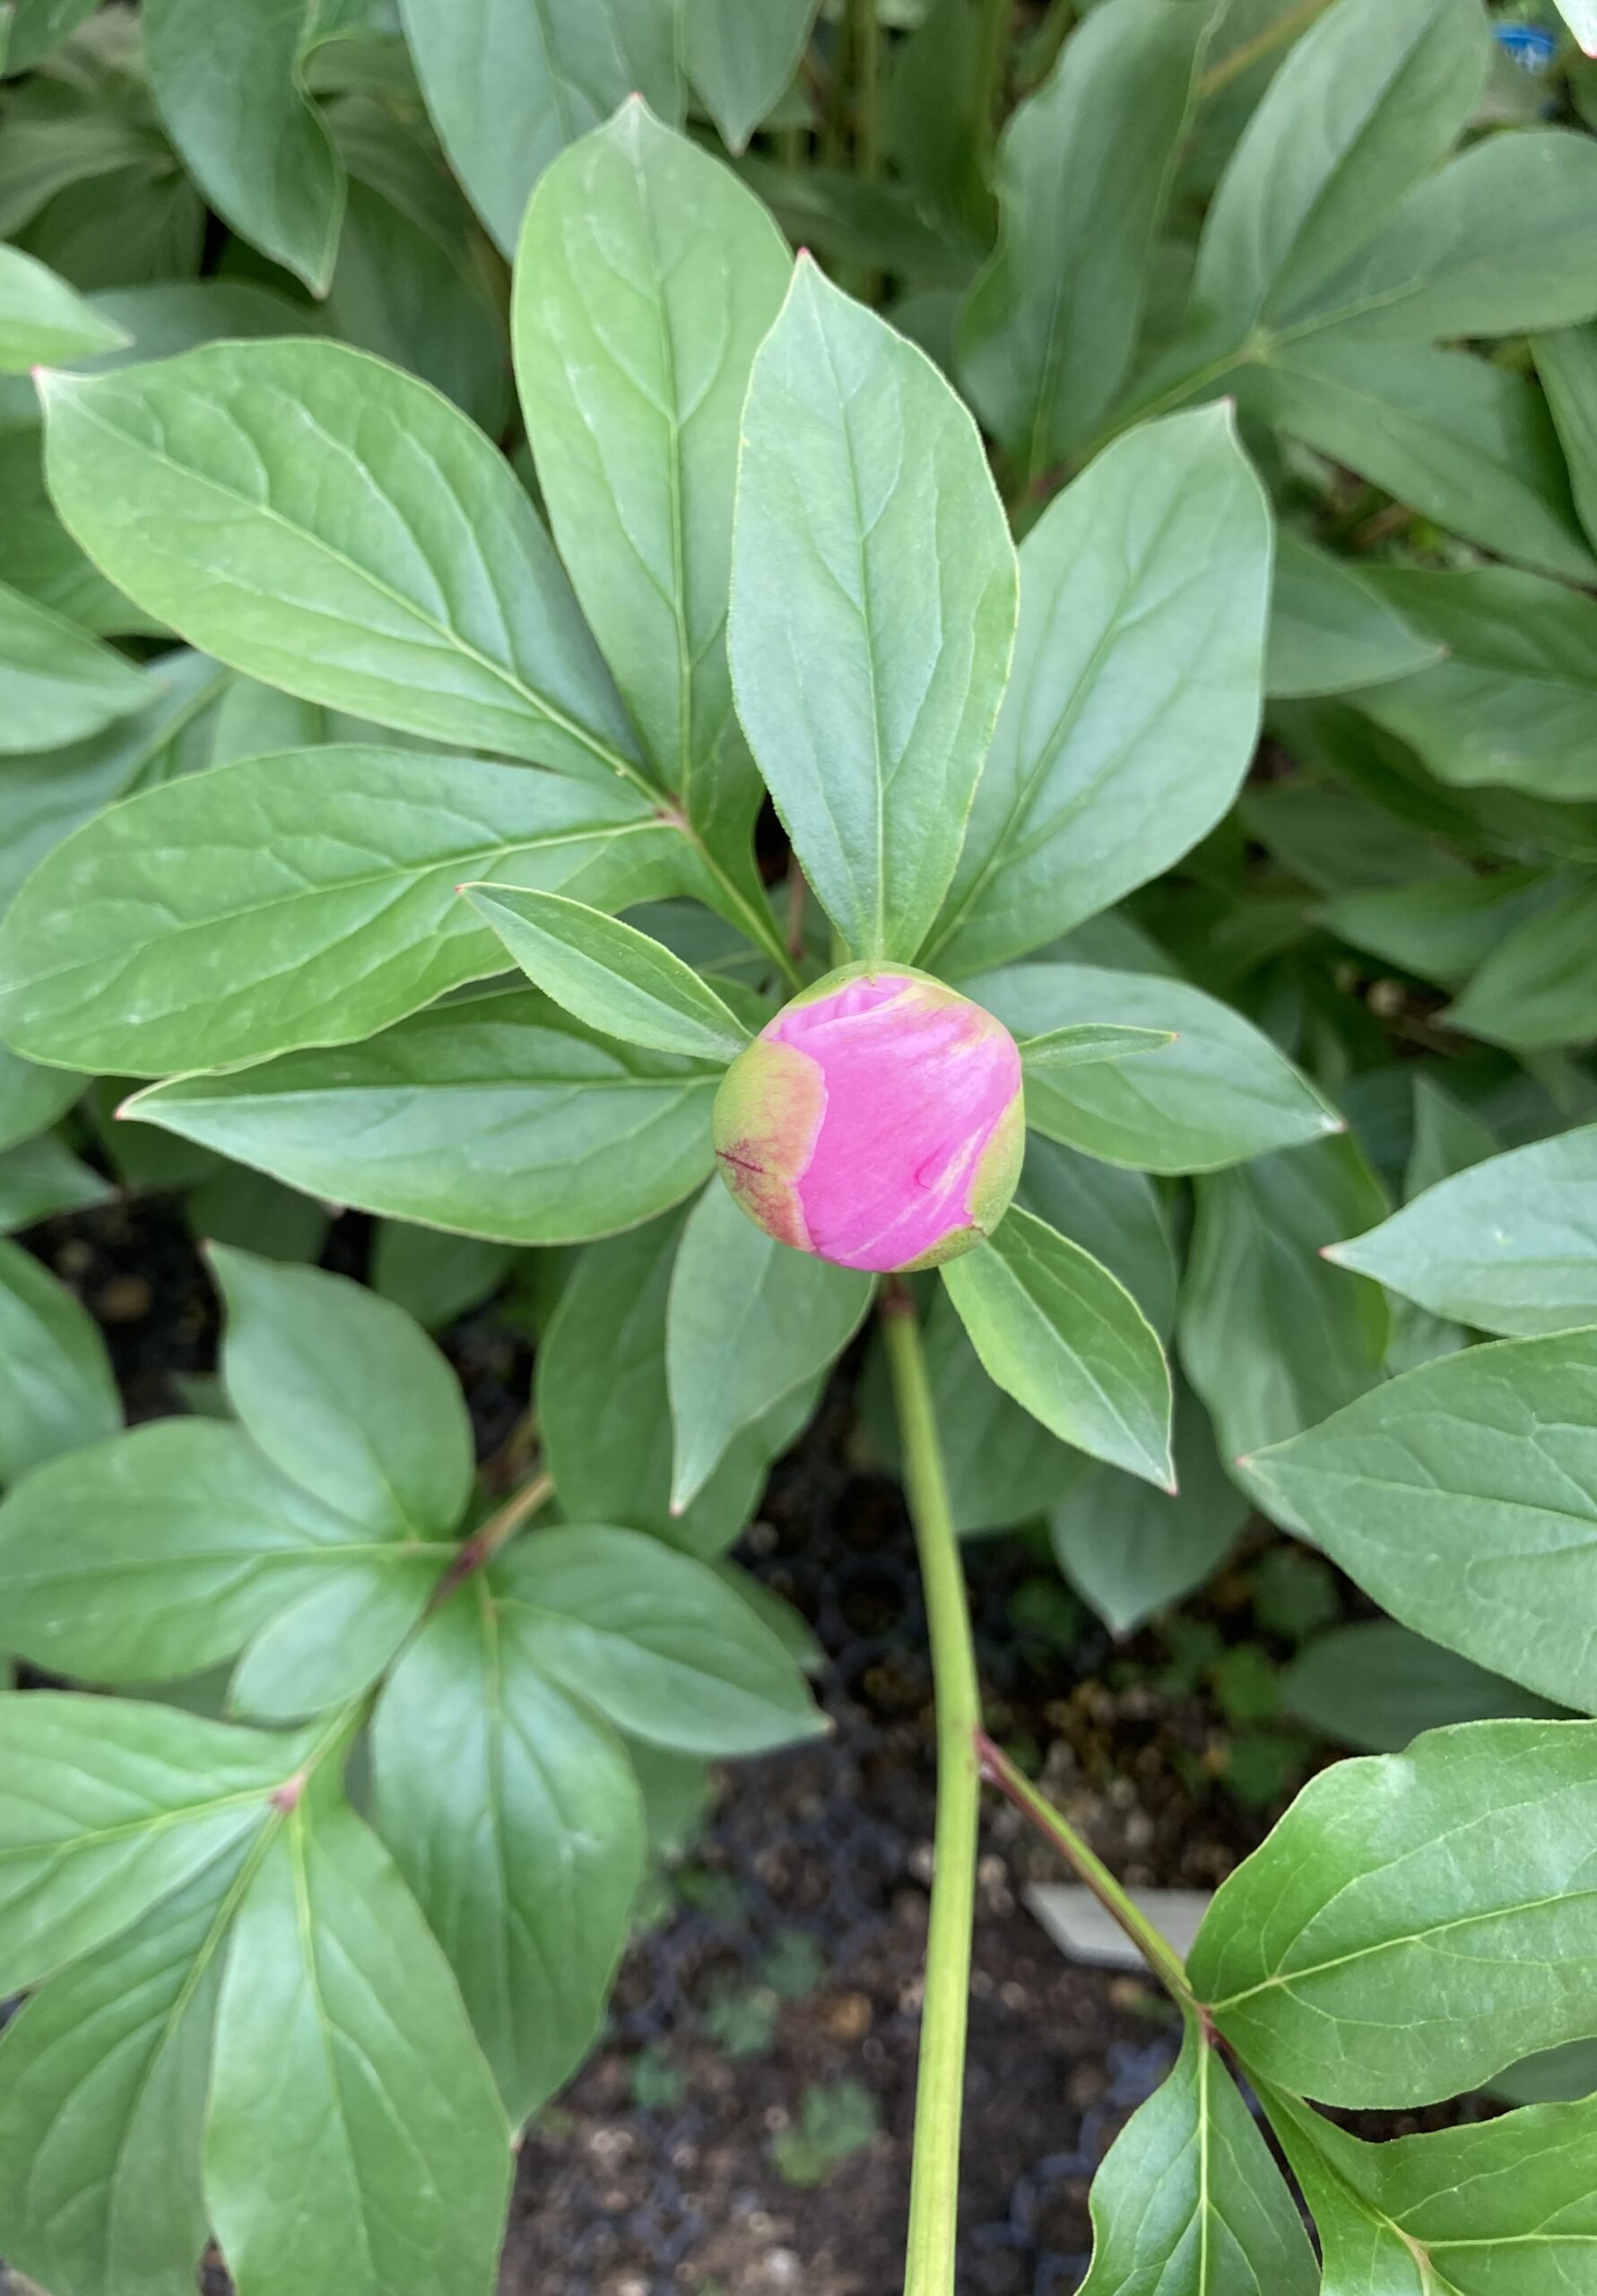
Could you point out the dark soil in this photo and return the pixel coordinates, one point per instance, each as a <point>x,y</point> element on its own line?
<point>780,1977</point>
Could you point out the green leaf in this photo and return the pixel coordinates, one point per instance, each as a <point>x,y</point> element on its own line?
<point>604,1406</point>
<point>1055,1330</point>
<point>345,1394</point>
<point>1331,837</point>
<point>419,590</point>
<point>42,319</point>
<point>332,1643</point>
<point>1504,2205</point>
<point>353,2137</point>
<point>304,898</point>
<point>1130,1549</point>
<point>508,87</point>
<point>1497,242</point>
<point>1132,708</point>
<point>646,278</point>
<point>1219,1093</point>
<point>1085,1044</point>
<point>48,796</point>
<point>1567,363</point>
<point>1512,702</point>
<point>433,1276</point>
<point>1442,931</point>
<point>1448,1138</point>
<point>56,1390</point>
<point>160,1552</point>
<point>102,2104</point>
<point>1364,107</point>
<point>873,591</point>
<point>616,980</point>
<point>107,1805</point>
<point>496,1117</point>
<point>42,1177</point>
<point>226,79</point>
<point>750,1320</point>
<point>1462,1498</point>
<point>1508,1246</point>
<point>38,26</point>
<point>1273,1338</point>
<point>234,1206</point>
<point>1188,2201</point>
<point>1461,441</point>
<point>660,1644</point>
<point>1047,333</point>
<point>1535,990</point>
<point>514,1815</point>
<point>1117,1215</point>
<point>1416,1921</point>
<point>420,301</point>
<point>1377,1686</point>
<point>740,59</point>
<point>31,1097</point>
<point>61,684</point>
<point>1329,629</point>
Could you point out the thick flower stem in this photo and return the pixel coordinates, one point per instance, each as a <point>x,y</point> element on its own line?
<point>935,2181</point>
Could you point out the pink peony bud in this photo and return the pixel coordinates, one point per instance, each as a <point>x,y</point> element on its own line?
<point>877,1121</point>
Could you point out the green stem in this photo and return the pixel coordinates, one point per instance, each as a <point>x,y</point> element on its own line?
<point>934,2179</point>
<point>862,51</point>
<point>1156,1950</point>
<point>992,58</point>
<point>1254,51</point>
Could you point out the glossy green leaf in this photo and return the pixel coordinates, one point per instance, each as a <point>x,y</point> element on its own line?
<point>226,77</point>
<point>296,900</point>
<point>1497,242</point>
<point>399,571</point>
<point>61,684</point>
<point>603,1405</point>
<point>1117,1215</point>
<point>740,59</point>
<point>513,1814</point>
<point>345,1394</point>
<point>1464,1498</point>
<point>1364,107</point>
<point>1188,2201</point>
<point>352,2135</point>
<point>1442,930</point>
<point>1055,1330</point>
<point>56,1390</point>
<point>107,1805</point>
<point>1534,990</point>
<point>1512,703</point>
<point>32,1098</point>
<point>1567,363</point>
<point>1509,1245</point>
<point>511,83</point>
<point>1329,629</point>
<point>1086,1043</point>
<point>338,1636</point>
<point>615,979</point>
<point>43,320</point>
<point>1271,1335</point>
<point>1377,1686</point>
<point>1416,1921</point>
<point>160,1552</point>
<point>660,1644</point>
<point>750,1320</point>
<point>1461,441</point>
<point>646,278</point>
<point>1047,334</point>
<point>873,611</point>
<point>1133,705</point>
<point>40,1178</point>
<point>1219,1093</point>
<point>1477,2211</point>
<point>102,2103</point>
<point>1130,1549</point>
<point>496,1117</point>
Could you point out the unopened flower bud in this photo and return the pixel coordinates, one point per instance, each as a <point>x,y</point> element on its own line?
<point>877,1121</point>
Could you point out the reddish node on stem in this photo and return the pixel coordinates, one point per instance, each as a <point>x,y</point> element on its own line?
<point>286,1797</point>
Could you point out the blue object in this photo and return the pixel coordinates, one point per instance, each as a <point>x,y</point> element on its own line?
<point>1531,49</point>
